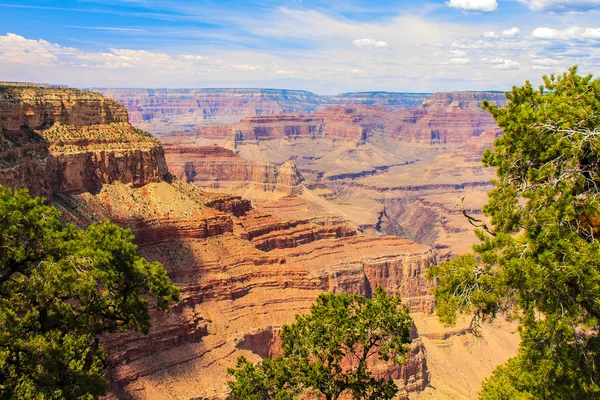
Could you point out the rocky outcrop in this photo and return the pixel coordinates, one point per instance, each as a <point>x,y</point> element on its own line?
<point>275,127</point>
<point>67,141</point>
<point>350,122</point>
<point>37,107</point>
<point>268,233</point>
<point>449,118</point>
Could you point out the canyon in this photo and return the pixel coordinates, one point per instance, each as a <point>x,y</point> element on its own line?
<point>283,196</point>
<point>407,172</point>
<point>164,111</point>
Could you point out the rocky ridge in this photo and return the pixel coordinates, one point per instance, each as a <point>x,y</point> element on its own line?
<point>219,169</point>
<point>167,111</point>
<point>66,141</point>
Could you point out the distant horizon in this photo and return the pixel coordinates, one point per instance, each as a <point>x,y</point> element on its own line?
<point>51,85</point>
<point>321,46</point>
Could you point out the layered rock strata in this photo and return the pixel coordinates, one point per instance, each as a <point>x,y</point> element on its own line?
<point>216,168</point>
<point>239,271</point>
<point>67,141</point>
<point>168,111</point>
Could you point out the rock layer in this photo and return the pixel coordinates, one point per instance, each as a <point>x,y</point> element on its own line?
<point>66,141</point>
<point>240,271</point>
<point>37,107</point>
<point>216,168</point>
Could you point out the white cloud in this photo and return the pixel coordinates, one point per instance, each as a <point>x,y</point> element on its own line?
<point>491,35</point>
<point>508,65</point>
<point>16,49</point>
<point>127,58</point>
<point>246,67</point>
<point>541,68</point>
<point>474,5</point>
<point>562,6</point>
<point>571,33</point>
<point>459,61</point>
<point>501,63</point>
<point>471,44</point>
<point>547,62</point>
<point>511,33</point>
<point>370,44</point>
<point>192,57</point>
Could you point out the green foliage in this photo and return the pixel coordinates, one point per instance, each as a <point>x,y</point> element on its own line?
<point>539,261</point>
<point>328,351</point>
<point>60,289</point>
<point>271,379</point>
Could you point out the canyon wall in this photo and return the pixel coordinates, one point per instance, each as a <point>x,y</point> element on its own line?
<point>241,271</point>
<point>168,111</point>
<point>449,117</point>
<point>218,169</point>
<point>36,107</point>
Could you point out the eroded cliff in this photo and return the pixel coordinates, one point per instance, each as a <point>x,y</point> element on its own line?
<point>240,271</point>
<point>65,141</point>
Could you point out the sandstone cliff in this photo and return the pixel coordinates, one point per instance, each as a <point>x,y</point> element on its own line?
<point>449,118</point>
<point>64,140</point>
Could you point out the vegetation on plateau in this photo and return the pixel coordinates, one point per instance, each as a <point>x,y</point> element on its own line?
<point>60,290</point>
<point>538,260</point>
<point>328,351</point>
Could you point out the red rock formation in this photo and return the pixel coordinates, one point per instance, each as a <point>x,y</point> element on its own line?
<point>217,168</point>
<point>448,118</point>
<point>268,233</point>
<point>353,123</point>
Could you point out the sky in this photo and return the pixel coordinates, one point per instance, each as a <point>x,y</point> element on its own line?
<point>326,47</point>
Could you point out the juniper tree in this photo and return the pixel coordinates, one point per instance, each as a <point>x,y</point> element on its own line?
<point>538,260</point>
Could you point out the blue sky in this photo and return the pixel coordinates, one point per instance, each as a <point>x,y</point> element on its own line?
<point>322,46</point>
